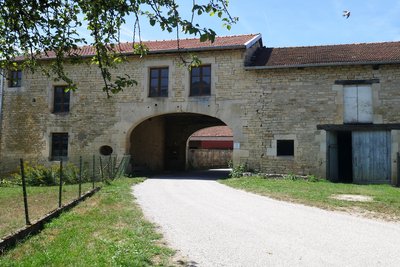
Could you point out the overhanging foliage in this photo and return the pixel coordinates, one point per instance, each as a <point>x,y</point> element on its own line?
<point>31,30</point>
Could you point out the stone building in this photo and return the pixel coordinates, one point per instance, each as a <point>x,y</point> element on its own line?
<point>332,111</point>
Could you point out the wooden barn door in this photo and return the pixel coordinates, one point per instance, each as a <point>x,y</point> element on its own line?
<point>371,156</point>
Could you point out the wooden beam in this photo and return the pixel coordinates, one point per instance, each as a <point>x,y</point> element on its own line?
<point>356,82</point>
<point>359,127</point>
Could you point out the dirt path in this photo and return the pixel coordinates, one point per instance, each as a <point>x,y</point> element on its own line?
<point>215,225</point>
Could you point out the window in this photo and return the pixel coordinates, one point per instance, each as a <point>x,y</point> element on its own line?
<point>358,104</point>
<point>61,99</point>
<point>158,82</point>
<point>59,146</point>
<point>285,147</point>
<point>200,81</point>
<point>15,78</point>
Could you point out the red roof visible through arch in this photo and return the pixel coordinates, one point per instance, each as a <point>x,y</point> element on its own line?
<point>216,131</point>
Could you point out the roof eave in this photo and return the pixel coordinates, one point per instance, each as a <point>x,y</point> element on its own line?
<point>333,64</point>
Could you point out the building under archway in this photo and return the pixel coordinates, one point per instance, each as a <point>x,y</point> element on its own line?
<point>210,148</point>
<point>160,143</point>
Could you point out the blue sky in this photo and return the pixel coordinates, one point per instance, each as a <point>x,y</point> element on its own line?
<point>302,22</point>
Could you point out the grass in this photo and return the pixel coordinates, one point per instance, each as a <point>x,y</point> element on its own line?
<point>41,200</point>
<point>107,229</point>
<point>385,204</point>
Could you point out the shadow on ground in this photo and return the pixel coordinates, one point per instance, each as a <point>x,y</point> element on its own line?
<point>212,174</point>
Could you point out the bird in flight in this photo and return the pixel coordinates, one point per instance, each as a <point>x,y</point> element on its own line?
<point>346,14</point>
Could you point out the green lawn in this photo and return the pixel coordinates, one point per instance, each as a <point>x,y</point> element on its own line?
<point>107,229</point>
<point>41,200</point>
<point>385,204</point>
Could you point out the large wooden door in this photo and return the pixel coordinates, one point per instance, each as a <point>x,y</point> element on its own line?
<point>371,156</point>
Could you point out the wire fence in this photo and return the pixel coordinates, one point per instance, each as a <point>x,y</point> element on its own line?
<point>36,190</point>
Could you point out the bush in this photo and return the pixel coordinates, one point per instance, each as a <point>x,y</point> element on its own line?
<point>7,183</point>
<point>290,176</point>
<point>313,178</point>
<point>237,171</point>
<point>308,178</point>
<point>40,175</point>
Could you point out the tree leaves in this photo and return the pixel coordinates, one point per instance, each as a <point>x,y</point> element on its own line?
<point>35,29</point>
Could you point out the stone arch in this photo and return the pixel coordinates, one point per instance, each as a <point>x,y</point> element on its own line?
<point>159,142</point>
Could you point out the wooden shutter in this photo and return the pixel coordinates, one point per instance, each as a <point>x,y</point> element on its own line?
<point>364,104</point>
<point>358,104</point>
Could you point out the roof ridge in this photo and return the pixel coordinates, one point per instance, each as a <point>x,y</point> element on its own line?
<point>172,40</point>
<point>197,38</point>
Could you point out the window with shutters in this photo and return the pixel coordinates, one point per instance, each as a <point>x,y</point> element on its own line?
<point>358,104</point>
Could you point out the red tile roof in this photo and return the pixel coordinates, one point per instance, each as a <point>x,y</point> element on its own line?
<point>223,42</point>
<point>364,53</point>
<point>216,131</point>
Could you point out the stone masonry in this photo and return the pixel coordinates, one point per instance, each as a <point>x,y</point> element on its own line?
<point>261,106</point>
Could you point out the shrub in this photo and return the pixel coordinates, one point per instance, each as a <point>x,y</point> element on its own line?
<point>312,178</point>
<point>6,183</point>
<point>237,171</point>
<point>290,176</point>
<point>40,175</point>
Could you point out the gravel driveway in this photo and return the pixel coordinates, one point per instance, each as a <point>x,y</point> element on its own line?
<point>214,225</point>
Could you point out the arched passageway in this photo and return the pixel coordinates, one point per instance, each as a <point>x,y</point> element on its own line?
<point>159,143</point>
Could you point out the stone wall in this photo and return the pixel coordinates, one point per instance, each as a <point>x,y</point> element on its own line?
<point>296,100</point>
<point>260,106</point>
<point>200,159</point>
